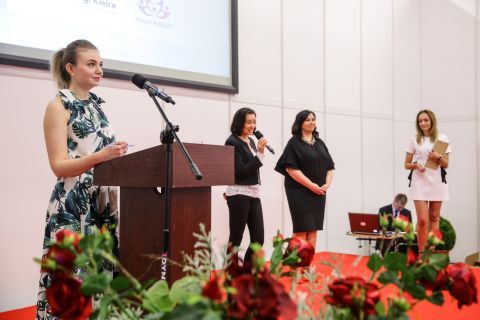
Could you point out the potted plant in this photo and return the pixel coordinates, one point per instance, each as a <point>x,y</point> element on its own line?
<point>449,237</point>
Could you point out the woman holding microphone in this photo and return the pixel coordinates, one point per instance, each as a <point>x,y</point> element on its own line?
<point>243,198</point>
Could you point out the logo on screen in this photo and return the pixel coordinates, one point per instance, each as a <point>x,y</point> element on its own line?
<point>154,8</point>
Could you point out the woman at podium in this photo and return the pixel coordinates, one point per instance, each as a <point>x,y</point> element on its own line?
<point>308,170</point>
<point>78,136</point>
<point>428,186</point>
<point>243,198</point>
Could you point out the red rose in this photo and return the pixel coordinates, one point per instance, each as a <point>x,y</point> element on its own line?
<point>214,290</point>
<point>66,237</point>
<point>58,259</point>
<point>412,257</point>
<point>435,238</point>
<point>268,300</point>
<point>234,269</point>
<point>67,301</point>
<point>354,293</point>
<point>441,282</point>
<point>383,220</point>
<point>464,285</point>
<point>278,238</point>
<point>243,300</point>
<point>401,222</point>
<point>305,251</point>
<point>273,302</point>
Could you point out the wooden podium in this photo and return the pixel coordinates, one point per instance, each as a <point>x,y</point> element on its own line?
<point>142,206</point>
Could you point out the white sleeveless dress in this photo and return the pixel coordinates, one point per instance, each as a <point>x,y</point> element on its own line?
<point>427,185</point>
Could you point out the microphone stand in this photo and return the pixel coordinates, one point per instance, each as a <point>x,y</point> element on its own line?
<point>167,137</point>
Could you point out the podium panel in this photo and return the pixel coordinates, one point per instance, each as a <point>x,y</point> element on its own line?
<point>142,206</point>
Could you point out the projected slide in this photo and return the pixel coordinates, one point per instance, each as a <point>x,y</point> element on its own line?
<point>186,40</point>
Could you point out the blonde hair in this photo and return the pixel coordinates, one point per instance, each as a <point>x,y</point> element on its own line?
<point>433,134</point>
<point>65,56</point>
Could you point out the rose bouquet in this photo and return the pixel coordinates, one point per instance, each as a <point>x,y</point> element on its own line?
<point>237,291</point>
<point>417,277</point>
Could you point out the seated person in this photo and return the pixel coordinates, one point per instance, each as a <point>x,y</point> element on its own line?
<point>393,210</point>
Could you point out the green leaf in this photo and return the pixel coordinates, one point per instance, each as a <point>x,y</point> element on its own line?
<point>256,247</point>
<point>87,242</point>
<point>395,261</point>
<point>417,291</point>
<point>157,299</point>
<point>428,272</point>
<point>276,257</point>
<point>103,310</point>
<point>158,303</point>
<point>374,262</point>
<point>94,284</point>
<point>436,298</point>
<point>185,287</point>
<point>212,315</point>
<point>159,288</point>
<point>120,284</point>
<point>187,312</point>
<point>438,261</point>
<point>81,260</point>
<point>408,278</point>
<point>154,316</point>
<point>292,258</point>
<point>380,308</point>
<point>388,277</point>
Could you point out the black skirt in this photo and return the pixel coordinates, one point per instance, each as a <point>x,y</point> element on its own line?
<point>306,208</point>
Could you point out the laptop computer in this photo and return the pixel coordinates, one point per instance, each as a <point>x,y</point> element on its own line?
<point>366,223</point>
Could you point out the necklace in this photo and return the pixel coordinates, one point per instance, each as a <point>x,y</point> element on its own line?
<point>310,142</point>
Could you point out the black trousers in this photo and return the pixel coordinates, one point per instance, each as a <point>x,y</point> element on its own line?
<point>245,211</point>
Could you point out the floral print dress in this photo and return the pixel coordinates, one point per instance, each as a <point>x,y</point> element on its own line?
<point>76,204</point>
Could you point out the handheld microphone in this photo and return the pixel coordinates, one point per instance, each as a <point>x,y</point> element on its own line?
<point>143,83</point>
<point>259,136</point>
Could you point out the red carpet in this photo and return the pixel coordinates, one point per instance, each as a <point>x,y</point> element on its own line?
<point>27,313</point>
<point>351,265</point>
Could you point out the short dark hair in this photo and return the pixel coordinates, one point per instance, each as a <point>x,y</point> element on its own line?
<point>238,121</point>
<point>299,120</point>
<point>402,198</point>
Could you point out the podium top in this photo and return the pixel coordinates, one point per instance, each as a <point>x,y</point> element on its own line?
<point>146,168</point>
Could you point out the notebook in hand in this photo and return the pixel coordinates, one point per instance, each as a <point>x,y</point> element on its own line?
<point>365,223</point>
<point>439,147</point>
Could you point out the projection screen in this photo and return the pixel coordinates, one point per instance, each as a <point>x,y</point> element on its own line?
<point>188,43</point>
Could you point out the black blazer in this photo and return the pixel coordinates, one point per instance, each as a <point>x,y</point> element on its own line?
<point>246,164</point>
<point>389,209</point>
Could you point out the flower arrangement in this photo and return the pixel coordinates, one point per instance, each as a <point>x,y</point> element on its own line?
<point>249,290</point>
<point>417,277</point>
<point>237,291</point>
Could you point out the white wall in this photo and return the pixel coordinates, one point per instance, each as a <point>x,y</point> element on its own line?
<point>365,67</point>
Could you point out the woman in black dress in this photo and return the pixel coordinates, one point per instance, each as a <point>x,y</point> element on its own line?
<point>243,198</point>
<point>308,170</point>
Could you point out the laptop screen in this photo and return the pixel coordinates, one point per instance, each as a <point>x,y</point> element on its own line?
<point>363,222</point>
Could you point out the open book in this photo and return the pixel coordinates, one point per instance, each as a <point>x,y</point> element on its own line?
<point>439,147</point>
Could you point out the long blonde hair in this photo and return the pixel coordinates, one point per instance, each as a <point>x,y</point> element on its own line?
<point>433,134</point>
<point>65,56</point>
